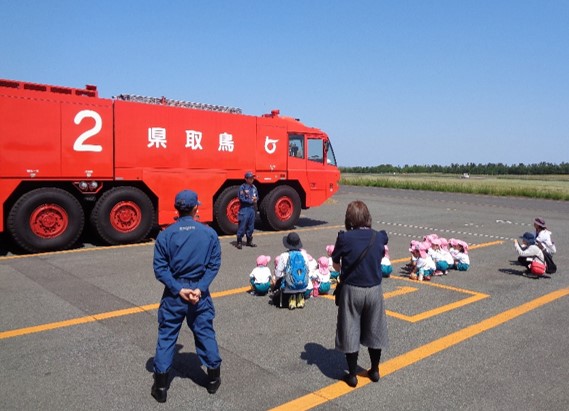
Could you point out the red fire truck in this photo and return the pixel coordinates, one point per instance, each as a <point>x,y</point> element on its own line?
<point>68,156</point>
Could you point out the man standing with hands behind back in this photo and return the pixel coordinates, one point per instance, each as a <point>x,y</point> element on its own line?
<point>248,196</point>
<point>187,257</point>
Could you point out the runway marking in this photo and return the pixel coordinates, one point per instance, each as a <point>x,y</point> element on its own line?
<point>340,388</point>
<point>476,296</point>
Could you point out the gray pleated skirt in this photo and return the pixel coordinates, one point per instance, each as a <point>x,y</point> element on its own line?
<point>361,319</point>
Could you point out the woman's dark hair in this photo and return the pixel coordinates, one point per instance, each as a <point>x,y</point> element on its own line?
<point>357,215</point>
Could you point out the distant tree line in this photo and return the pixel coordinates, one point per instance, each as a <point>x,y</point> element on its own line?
<point>470,168</point>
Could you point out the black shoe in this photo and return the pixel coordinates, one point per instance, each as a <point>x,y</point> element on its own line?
<point>373,375</point>
<point>250,243</point>
<point>239,245</point>
<point>159,388</point>
<point>351,380</point>
<point>214,380</point>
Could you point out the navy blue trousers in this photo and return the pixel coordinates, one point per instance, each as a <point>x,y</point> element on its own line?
<point>171,314</point>
<point>246,218</point>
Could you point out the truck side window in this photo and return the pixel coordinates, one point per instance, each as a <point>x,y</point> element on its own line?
<point>316,150</point>
<point>296,145</point>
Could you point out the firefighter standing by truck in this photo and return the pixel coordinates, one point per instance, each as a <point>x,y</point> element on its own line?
<point>187,257</point>
<point>248,196</point>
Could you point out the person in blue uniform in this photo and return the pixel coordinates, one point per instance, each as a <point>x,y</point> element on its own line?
<point>187,257</point>
<point>248,196</point>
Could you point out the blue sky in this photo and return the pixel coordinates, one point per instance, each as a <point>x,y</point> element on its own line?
<point>392,82</point>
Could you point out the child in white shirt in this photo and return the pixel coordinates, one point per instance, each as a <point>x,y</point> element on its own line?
<point>323,275</point>
<point>425,266</point>
<point>386,268</point>
<point>461,258</point>
<point>333,273</point>
<point>260,277</point>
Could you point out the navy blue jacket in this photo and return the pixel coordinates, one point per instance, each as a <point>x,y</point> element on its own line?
<point>187,250</point>
<point>246,194</point>
<point>349,245</point>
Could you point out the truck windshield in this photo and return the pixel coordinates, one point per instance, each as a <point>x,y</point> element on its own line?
<point>330,157</point>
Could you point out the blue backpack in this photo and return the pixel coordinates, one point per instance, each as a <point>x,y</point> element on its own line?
<point>296,272</point>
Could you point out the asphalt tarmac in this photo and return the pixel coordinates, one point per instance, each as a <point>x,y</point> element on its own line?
<point>78,328</point>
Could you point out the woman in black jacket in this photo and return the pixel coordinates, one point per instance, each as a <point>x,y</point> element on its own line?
<point>361,312</point>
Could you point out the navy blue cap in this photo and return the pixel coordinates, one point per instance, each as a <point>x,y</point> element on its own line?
<point>186,200</point>
<point>249,174</point>
<point>529,238</point>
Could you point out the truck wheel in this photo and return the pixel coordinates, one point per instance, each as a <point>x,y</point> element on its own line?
<point>46,219</point>
<point>280,210</point>
<point>123,215</point>
<point>225,210</point>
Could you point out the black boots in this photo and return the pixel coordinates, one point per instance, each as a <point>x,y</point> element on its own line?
<point>374,356</point>
<point>159,388</point>
<point>214,380</point>
<point>352,378</point>
<point>249,243</point>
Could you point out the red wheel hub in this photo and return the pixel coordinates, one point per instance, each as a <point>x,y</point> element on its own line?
<point>49,221</point>
<point>284,207</point>
<point>125,216</point>
<point>233,211</point>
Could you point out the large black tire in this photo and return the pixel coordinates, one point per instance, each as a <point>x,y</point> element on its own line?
<point>46,219</point>
<point>280,210</point>
<point>123,215</point>
<point>225,210</point>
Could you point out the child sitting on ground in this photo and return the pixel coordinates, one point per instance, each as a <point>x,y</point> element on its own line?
<point>323,276</point>
<point>424,266</point>
<point>260,277</point>
<point>438,257</point>
<point>410,266</point>
<point>386,267</point>
<point>314,283</point>
<point>461,258</point>
<point>446,255</point>
<point>529,250</point>
<point>333,273</point>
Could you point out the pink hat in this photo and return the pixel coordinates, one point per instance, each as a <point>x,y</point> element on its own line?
<point>453,242</point>
<point>413,245</point>
<point>323,264</point>
<point>330,249</point>
<point>436,241</point>
<point>431,237</point>
<point>464,245</point>
<point>263,260</point>
<point>386,254</point>
<point>421,249</point>
<point>277,259</point>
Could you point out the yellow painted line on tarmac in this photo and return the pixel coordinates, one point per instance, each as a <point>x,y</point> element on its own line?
<point>101,316</point>
<point>76,321</point>
<point>475,296</point>
<point>390,294</point>
<point>340,388</point>
<point>151,243</point>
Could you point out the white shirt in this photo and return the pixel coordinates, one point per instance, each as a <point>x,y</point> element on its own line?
<point>544,238</point>
<point>462,258</point>
<point>261,274</point>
